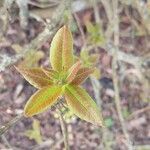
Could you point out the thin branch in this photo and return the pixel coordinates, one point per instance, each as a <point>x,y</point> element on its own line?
<point>43,4</point>
<point>108,9</point>
<point>6,142</point>
<point>142,147</point>
<point>97,89</point>
<point>110,48</point>
<point>23,13</point>
<point>118,104</point>
<point>115,77</point>
<point>142,110</point>
<point>80,28</point>
<point>10,124</point>
<point>96,12</point>
<point>103,131</point>
<point>109,12</point>
<point>64,130</point>
<point>128,58</point>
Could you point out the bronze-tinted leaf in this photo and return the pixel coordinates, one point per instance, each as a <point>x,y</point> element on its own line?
<point>82,74</point>
<point>73,71</point>
<point>67,54</point>
<point>82,105</point>
<point>52,74</point>
<point>61,51</point>
<point>42,100</point>
<point>35,77</point>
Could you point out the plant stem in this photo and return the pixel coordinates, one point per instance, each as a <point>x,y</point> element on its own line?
<point>115,76</point>
<point>10,124</point>
<point>102,131</point>
<point>118,107</point>
<point>64,130</point>
<point>6,142</point>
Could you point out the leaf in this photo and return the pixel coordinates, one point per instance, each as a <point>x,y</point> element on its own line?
<point>73,71</point>
<point>35,132</point>
<point>35,77</point>
<point>82,74</point>
<point>82,105</point>
<point>61,51</point>
<point>41,100</point>
<point>52,74</point>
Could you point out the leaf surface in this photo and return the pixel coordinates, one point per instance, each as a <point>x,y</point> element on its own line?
<point>81,76</point>
<point>35,77</point>
<point>52,74</point>
<point>82,105</point>
<point>73,71</point>
<point>61,50</point>
<point>42,100</point>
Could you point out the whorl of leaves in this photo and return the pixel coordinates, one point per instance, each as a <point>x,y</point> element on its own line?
<point>63,79</point>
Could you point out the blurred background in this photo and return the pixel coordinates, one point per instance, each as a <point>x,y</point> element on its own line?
<point>111,35</point>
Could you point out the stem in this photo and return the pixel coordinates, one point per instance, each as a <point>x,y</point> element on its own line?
<point>115,77</point>
<point>96,12</point>
<point>64,130</point>
<point>6,142</point>
<point>10,124</point>
<point>118,106</point>
<point>80,29</point>
<point>102,131</point>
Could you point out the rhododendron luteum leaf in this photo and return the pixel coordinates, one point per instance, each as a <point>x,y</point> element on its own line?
<point>35,77</point>
<point>82,105</point>
<point>42,100</point>
<point>82,74</point>
<point>52,74</point>
<point>67,54</point>
<point>61,51</point>
<point>73,71</point>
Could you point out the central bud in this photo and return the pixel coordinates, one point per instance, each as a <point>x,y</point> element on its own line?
<point>62,78</point>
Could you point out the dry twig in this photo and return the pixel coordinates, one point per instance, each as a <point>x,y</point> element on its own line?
<point>115,76</point>
<point>8,125</point>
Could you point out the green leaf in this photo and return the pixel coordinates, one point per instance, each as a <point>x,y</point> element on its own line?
<point>35,77</point>
<point>81,76</point>
<point>61,51</point>
<point>41,100</point>
<point>82,105</point>
<point>52,74</point>
<point>73,71</point>
<point>34,133</point>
